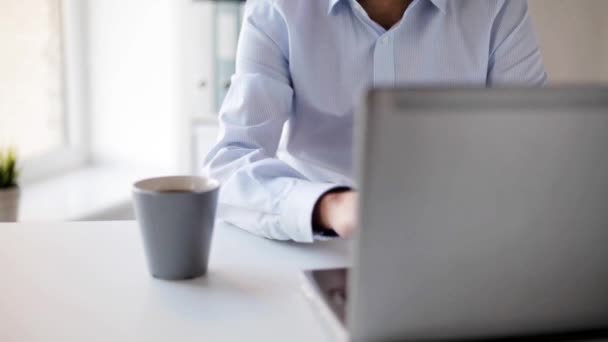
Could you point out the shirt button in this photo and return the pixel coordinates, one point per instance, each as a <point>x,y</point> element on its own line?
<point>384,41</point>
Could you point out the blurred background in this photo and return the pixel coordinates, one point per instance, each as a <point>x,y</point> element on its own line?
<point>95,94</point>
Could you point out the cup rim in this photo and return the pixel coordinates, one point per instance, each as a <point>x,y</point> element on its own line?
<point>213,184</point>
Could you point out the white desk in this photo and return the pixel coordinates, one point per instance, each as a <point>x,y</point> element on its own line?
<point>88,282</point>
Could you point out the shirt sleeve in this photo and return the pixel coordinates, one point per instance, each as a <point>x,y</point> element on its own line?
<point>259,192</point>
<point>515,57</point>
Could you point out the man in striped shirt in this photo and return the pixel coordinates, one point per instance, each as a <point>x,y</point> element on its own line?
<point>301,65</point>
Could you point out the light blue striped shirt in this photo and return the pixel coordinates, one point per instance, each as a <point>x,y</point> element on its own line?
<point>301,64</point>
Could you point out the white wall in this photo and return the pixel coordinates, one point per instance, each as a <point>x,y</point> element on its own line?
<point>574,38</point>
<point>132,68</point>
<point>147,59</point>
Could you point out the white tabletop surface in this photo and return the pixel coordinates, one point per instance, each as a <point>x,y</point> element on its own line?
<point>88,282</point>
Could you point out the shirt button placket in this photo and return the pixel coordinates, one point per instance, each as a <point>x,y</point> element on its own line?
<point>384,61</point>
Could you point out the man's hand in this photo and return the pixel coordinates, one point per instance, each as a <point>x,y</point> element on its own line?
<point>338,211</point>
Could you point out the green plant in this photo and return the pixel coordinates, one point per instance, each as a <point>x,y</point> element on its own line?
<point>8,169</point>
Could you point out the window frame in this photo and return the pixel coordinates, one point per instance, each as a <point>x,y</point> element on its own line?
<point>75,151</point>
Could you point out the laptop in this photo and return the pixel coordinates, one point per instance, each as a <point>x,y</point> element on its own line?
<point>483,215</point>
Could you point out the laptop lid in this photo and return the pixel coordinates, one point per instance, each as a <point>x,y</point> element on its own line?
<point>484,213</point>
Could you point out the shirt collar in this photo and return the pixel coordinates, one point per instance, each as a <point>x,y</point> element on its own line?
<point>332,5</point>
<point>440,4</point>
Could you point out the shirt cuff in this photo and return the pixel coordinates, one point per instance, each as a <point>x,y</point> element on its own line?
<point>298,207</point>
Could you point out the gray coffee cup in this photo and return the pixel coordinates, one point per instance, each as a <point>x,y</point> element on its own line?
<point>176,216</point>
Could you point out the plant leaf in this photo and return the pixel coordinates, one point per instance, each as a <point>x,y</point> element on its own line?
<point>8,168</point>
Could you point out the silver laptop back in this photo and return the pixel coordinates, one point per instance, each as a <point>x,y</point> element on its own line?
<point>484,213</point>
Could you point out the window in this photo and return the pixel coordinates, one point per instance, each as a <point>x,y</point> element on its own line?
<point>35,108</point>
<point>31,94</point>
